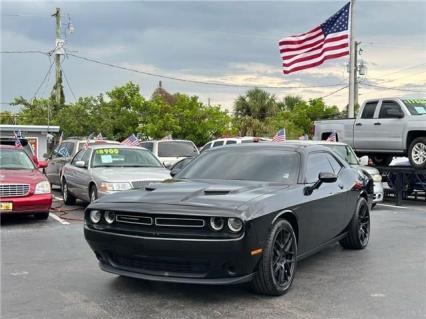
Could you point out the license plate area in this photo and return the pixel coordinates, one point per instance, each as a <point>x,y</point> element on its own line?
<point>6,206</point>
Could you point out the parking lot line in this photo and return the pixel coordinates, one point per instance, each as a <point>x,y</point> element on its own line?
<point>59,219</point>
<point>393,206</point>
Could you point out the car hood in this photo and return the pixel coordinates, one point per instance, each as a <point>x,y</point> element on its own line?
<point>130,174</point>
<point>24,176</point>
<point>219,194</point>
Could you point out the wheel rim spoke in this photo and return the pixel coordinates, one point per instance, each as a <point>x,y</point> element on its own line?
<point>283,257</point>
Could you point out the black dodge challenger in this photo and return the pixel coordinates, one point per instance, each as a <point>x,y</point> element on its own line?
<point>235,214</point>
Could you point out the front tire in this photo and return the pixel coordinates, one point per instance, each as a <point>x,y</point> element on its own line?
<point>69,199</point>
<point>93,193</point>
<point>417,153</point>
<point>359,227</point>
<point>278,263</point>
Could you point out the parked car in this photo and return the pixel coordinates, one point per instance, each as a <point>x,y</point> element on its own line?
<point>233,140</point>
<point>10,140</point>
<point>23,188</point>
<point>104,169</point>
<point>63,154</point>
<point>235,214</point>
<point>347,153</point>
<point>384,128</point>
<point>171,151</point>
<point>178,166</point>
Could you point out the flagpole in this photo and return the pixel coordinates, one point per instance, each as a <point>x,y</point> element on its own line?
<point>352,66</point>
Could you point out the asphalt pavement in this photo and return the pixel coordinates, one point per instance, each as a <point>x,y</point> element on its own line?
<point>48,271</point>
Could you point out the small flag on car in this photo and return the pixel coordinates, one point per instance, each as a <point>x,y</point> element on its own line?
<point>99,137</point>
<point>132,140</point>
<point>86,145</point>
<point>332,137</point>
<point>279,136</point>
<point>18,143</point>
<point>61,138</point>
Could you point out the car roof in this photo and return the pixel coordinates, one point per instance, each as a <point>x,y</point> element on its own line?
<point>316,142</point>
<point>10,147</point>
<point>297,146</point>
<point>97,146</point>
<point>167,141</point>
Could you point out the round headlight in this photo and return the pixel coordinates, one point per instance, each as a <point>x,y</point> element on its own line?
<point>109,217</point>
<point>217,223</point>
<point>95,216</point>
<point>235,224</point>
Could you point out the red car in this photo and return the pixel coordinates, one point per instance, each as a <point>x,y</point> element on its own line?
<point>23,188</point>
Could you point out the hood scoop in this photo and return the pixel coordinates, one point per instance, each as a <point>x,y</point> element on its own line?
<point>221,190</point>
<point>150,188</point>
<point>216,192</point>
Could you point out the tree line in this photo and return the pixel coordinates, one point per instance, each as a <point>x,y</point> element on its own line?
<point>123,111</point>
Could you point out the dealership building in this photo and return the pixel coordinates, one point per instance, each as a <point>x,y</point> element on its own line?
<point>38,135</point>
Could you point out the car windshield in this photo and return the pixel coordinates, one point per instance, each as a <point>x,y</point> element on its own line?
<point>176,149</point>
<point>124,157</point>
<point>14,159</point>
<point>244,164</point>
<point>345,152</point>
<point>416,106</point>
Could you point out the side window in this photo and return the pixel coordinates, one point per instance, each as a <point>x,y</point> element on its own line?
<point>86,157</point>
<point>368,111</point>
<point>206,147</point>
<point>217,143</point>
<point>148,145</point>
<point>231,142</point>
<point>317,163</point>
<point>78,157</point>
<point>390,110</point>
<point>334,164</point>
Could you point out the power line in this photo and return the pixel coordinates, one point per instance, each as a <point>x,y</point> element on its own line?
<point>391,88</point>
<point>196,81</point>
<point>68,83</point>
<point>334,92</point>
<point>25,51</point>
<point>44,79</point>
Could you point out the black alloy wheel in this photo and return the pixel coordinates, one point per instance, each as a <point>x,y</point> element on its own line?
<point>359,227</point>
<point>278,264</point>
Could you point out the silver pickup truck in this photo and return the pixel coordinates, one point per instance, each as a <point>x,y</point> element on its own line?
<point>384,128</point>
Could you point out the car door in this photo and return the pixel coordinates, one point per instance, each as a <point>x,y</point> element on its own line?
<point>364,128</point>
<point>70,173</point>
<point>320,213</point>
<point>389,126</point>
<point>82,176</point>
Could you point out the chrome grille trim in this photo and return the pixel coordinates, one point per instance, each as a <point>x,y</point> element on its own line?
<point>168,222</point>
<point>141,184</point>
<point>14,190</point>
<point>132,219</point>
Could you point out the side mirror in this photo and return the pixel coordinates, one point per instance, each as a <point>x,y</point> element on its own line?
<point>327,177</point>
<point>322,178</point>
<point>42,164</point>
<point>174,171</point>
<point>80,164</point>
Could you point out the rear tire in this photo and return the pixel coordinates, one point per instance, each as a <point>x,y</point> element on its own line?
<point>277,266</point>
<point>417,153</point>
<point>69,199</point>
<point>93,193</point>
<point>41,216</point>
<point>359,227</point>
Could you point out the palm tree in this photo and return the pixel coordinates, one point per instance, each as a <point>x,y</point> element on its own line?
<point>256,103</point>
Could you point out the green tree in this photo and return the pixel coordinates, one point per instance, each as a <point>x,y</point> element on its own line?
<point>256,103</point>
<point>7,117</point>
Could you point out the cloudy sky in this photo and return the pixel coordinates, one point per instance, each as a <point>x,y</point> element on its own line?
<point>230,42</point>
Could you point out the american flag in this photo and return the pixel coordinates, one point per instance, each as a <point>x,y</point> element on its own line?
<point>86,145</point>
<point>329,40</point>
<point>332,137</point>
<point>18,143</point>
<point>279,136</point>
<point>132,140</point>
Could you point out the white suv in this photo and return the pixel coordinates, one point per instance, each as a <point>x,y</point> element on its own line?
<point>171,151</point>
<point>232,140</point>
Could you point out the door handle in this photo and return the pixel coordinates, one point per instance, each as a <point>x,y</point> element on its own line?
<point>358,124</point>
<point>377,123</point>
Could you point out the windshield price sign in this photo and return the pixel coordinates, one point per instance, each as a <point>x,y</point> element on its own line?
<point>107,151</point>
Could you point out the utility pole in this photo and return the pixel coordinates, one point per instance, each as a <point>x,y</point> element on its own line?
<point>352,65</point>
<point>58,90</point>
<point>356,44</point>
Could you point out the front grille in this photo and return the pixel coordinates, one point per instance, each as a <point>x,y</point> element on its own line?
<point>161,265</point>
<point>14,190</point>
<point>133,219</point>
<point>141,184</point>
<point>179,222</point>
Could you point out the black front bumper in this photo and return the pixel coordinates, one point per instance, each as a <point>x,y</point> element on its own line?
<point>198,261</point>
